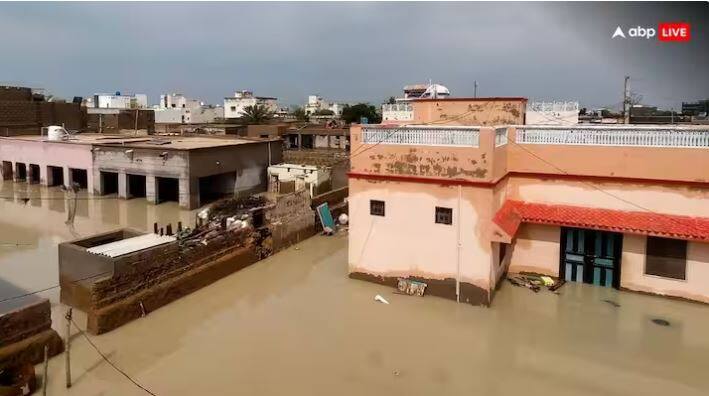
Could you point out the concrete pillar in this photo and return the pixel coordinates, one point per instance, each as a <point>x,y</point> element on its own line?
<point>43,175</point>
<point>67,176</point>
<point>151,189</point>
<point>189,193</point>
<point>122,185</point>
<point>300,141</point>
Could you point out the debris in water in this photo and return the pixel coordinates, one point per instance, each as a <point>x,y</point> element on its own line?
<point>327,231</point>
<point>380,299</point>
<point>547,281</point>
<point>523,282</point>
<point>613,303</point>
<point>660,322</point>
<point>396,373</point>
<point>557,285</point>
<point>343,219</point>
<point>411,287</point>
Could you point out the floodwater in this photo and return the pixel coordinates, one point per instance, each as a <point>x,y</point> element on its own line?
<point>295,324</point>
<point>32,223</point>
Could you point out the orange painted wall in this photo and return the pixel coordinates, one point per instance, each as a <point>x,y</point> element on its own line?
<point>461,111</point>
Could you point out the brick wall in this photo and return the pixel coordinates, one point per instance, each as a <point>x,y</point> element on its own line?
<point>15,94</point>
<point>150,267</point>
<point>27,117</point>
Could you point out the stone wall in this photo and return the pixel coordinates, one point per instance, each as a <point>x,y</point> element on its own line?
<point>291,219</point>
<point>24,332</point>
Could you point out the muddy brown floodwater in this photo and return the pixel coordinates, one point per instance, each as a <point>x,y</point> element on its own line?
<point>295,324</point>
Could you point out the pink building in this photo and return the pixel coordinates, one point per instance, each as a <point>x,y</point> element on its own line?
<point>458,206</point>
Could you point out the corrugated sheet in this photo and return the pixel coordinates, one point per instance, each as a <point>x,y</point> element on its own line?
<point>130,245</point>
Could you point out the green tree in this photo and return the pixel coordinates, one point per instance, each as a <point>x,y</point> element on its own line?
<point>354,114</point>
<point>256,114</point>
<point>300,114</point>
<point>391,100</point>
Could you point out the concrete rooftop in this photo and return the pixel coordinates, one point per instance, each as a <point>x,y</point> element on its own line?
<point>146,142</point>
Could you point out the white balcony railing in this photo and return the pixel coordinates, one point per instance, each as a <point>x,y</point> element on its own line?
<point>614,136</point>
<point>424,136</point>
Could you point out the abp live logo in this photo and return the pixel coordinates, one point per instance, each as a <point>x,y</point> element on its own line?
<point>670,31</point>
<point>674,31</point>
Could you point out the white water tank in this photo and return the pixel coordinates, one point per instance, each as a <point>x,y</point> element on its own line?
<point>55,132</point>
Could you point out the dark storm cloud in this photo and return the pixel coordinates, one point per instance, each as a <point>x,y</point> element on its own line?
<point>353,51</point>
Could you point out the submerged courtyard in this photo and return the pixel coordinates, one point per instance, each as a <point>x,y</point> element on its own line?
<point>295,324</point>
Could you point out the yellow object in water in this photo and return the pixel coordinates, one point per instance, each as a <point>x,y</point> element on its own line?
<point>547,281</point>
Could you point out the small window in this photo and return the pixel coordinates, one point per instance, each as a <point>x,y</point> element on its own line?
<point>376,208</point>
<point>233,108</point>
<point>666,258</point>
<point>444,215</point>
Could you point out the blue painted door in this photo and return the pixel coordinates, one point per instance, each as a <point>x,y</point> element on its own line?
<point>590,256</point>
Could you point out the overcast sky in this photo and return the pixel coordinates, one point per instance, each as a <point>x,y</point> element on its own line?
<point>353,51</point>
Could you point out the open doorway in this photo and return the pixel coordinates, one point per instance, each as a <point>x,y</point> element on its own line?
<point>7,170</point>
<point>168,189</point>
<point>136,186</point>
<point>80,177</point>
<point>34,174</point>
<point>109,183</point>
<point>55,176</point>
<point>212,188</point>
<point>20,171</point>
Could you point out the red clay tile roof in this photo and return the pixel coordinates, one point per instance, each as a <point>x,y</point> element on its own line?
<point>513,213</point>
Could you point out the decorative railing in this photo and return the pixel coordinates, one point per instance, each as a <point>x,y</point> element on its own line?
<point>640,137</point>
<point>500,137</point>
<point>397,107</point>
<point>425,136</point>
<point>553,106</point>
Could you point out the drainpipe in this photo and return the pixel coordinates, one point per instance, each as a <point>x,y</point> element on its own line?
<point>458,246</point>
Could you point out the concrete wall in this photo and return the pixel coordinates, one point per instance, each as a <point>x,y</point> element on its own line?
<point>28,117</point>
<point>117,120</point>
<point>536,249</point>
<point>59,154</point>
<point>470,111</point>
<point>407,241</point>
<point>448,162</point>
<point>633,277</point>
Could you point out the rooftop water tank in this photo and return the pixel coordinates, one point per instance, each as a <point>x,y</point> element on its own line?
<point>55,132</point>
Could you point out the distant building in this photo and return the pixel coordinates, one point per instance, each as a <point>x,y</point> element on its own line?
<point>189,170</point>
<point>698,108</point>
<point>234,106</point>
<point>177,109</point>
<point>117,101</point>
<point>402,110</point>
<point>317,104</point>
<point>552,113</point>
<point>177,100</point>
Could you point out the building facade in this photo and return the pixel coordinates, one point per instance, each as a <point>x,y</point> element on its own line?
<point>234,106</point>
<point>118,101</point>
<point>457,207</point>
<point>191,171</point>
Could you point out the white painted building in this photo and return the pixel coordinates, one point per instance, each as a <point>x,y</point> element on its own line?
<point>552,113</point>
<point>118,101</point>
<point>286,177</point>
<point>317,103</point>
<point>177,100</point>
<point>234,106</point>
<point>175,108</point>
<point>402,110</point>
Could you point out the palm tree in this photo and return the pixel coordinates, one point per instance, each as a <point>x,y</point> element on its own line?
<point>256,114</point>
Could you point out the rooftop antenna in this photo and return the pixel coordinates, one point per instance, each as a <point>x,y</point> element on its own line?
<point>475,89</point>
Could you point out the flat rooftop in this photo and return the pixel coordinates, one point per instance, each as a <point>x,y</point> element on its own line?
<point>146,142</point>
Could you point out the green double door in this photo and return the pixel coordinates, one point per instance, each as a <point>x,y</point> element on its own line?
<point>590,256</point>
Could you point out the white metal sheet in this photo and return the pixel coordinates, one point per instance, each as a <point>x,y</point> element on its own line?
<point>130,245</point>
